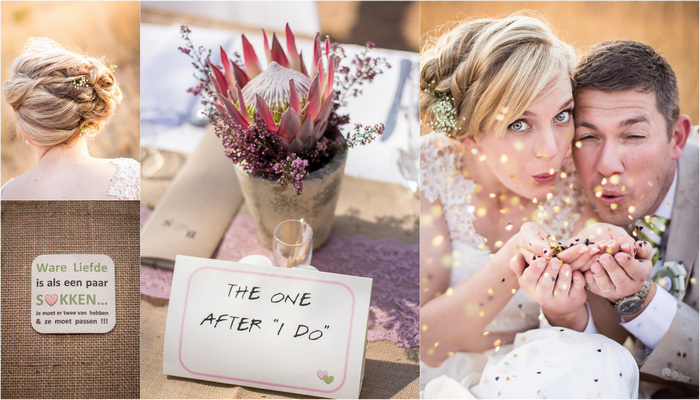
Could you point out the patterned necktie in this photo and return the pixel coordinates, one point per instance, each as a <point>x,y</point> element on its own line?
<point>652,231</point>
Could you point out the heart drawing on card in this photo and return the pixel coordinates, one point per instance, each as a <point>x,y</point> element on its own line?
<point>323,375</point>
<point>51,299</point>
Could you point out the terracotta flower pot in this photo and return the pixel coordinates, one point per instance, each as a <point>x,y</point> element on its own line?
<point>269,204</point>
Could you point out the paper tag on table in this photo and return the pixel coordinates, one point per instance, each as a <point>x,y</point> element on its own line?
<point>282,329</point>
<point>73,293</point>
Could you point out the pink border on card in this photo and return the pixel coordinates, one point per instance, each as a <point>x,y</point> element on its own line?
<point>347,351</point>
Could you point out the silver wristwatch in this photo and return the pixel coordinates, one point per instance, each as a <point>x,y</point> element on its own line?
<point>633,303</point>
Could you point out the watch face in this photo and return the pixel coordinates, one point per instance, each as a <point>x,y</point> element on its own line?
<point>630,306</point>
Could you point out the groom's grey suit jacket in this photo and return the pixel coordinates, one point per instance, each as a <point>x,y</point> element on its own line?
<point>675,358</point>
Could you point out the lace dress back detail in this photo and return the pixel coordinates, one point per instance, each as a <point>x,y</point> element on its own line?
<point>442,179</point>
<point>127,180</point>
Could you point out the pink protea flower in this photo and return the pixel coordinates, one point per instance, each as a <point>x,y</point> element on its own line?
<point>292,103</point>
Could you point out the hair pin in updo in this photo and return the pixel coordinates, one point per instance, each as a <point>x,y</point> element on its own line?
<point>80,82</point>
<point>443,119</point>
<point>84,130</point>
<point>112,67</point>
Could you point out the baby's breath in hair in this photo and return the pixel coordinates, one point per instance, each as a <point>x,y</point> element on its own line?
<point>443,119</point>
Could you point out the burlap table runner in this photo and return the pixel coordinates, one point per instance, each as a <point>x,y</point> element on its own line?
<point>38,365</point>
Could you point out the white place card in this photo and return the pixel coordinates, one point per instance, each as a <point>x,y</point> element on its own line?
<point>290,330</point>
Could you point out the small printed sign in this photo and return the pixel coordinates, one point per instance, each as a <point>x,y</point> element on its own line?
<point>290,330</point>
<point>73,293</point>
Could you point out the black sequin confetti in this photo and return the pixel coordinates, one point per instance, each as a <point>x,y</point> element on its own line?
<point>496,378</point>
<point>503,280</point>
<point>595,380</point>
<point>539,372</point>
<point>599,350</point>
<point>520,306</point>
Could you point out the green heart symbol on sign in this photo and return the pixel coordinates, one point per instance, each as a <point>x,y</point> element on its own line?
<point>328,379</point>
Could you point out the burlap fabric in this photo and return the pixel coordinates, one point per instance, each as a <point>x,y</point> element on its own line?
<point>55,366</point>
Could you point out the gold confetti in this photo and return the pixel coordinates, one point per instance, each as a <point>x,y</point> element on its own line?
<point>436,344</point>
<point>449,292</point>
<point>431,352</point>
<point>564,286</point>
<point>436,210</point>
<point>693,280</point>
<point>613,206</point>
<point>512,176</point>
<point>424,327</point>
<point>563,175</point>
<point>497,343</point>
<point>489,291</point>
<point>498,244</point>
<point>518,145</point>
<point>492,195</point>
<point>504,158</point>
<point>551,171</point>
<point>481,212</point>
<point>481,313</point>
<point>482,158</point>
<point>615,179</point>
<point>446,260</point>
<point>509,227</point>
<point>471,209</point>
<point>624,189</point>
<point>578,144</point>
<point>651,184</point>
<point>515,200</point>
<point>631,209</point>
<point>567,200</point>
<point>450,354</point>
<point>534,200</point>
<point>604,181</point>
<point>503,211</point>
<point>549,196</point>
<point>438,240</point>
<point>513,291</point>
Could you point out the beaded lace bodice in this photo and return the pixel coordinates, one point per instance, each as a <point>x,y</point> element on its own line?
<point>442,180</point>
<point>127,180</point>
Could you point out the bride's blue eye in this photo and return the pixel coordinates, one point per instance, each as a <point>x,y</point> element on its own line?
<point>518,126</point>
<point>563,116</point>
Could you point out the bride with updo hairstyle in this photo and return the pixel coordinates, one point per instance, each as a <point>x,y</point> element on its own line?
<point>60,98</point>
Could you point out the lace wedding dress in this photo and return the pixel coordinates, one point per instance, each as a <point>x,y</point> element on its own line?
<point>442,179</point>
<point>127,180</point>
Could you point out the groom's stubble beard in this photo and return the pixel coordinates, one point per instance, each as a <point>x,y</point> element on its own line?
<point>645,202</point>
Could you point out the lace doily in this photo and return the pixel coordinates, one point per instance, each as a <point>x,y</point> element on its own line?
<point>393,266</point>
<point>127,180</point>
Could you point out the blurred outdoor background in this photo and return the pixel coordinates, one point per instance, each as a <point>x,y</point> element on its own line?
<point>671,28</point>
<point>109,29</point>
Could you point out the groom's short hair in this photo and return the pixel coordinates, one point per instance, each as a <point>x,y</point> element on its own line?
<point>629,65</point>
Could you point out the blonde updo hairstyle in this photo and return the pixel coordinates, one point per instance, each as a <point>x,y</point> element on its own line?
<point>59,93</point>
<point>493,69</point>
